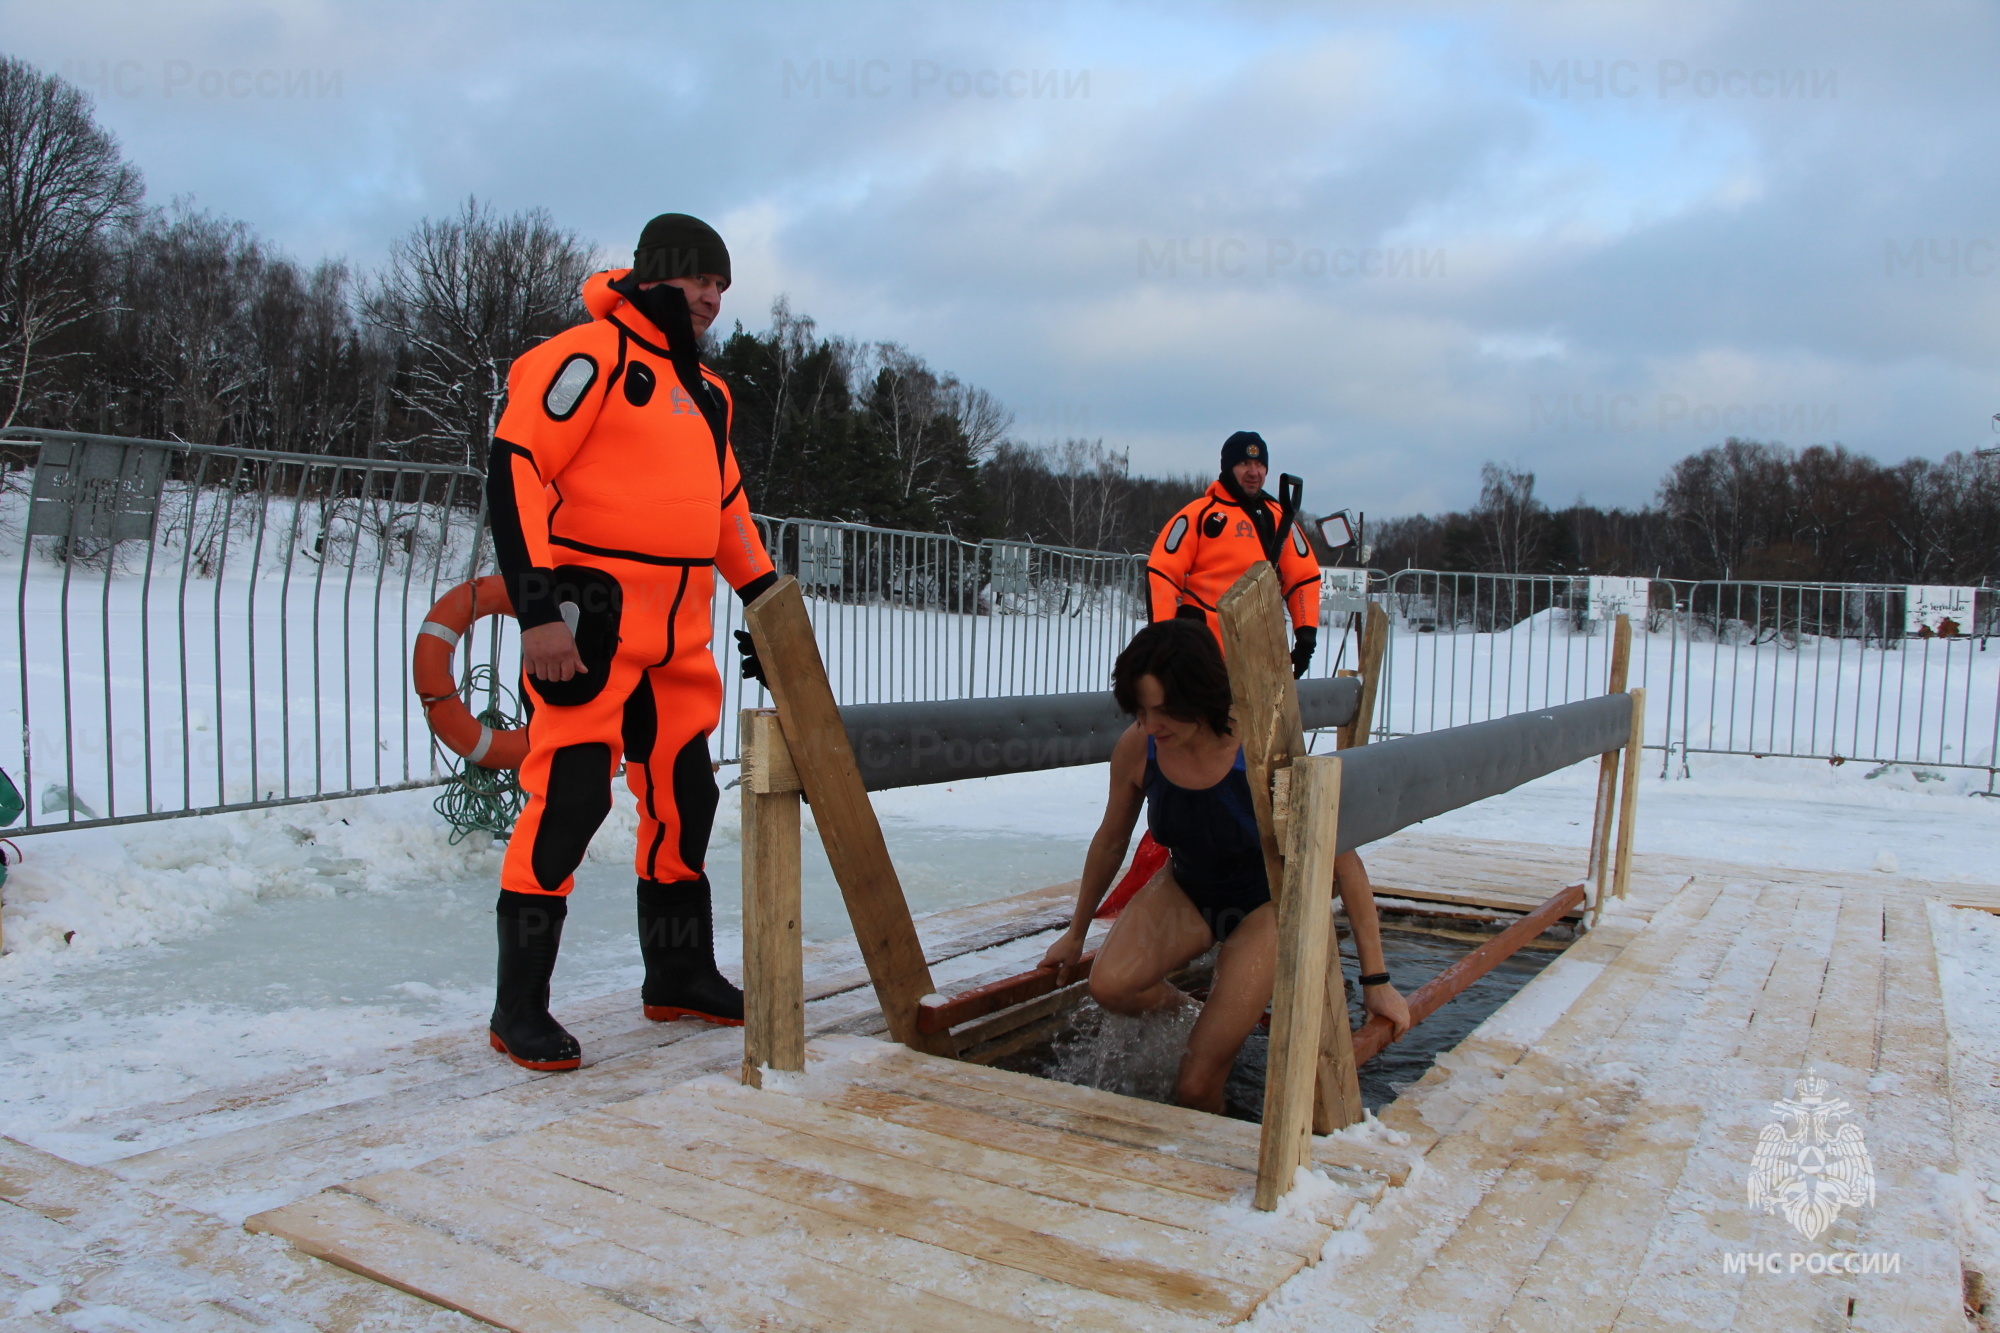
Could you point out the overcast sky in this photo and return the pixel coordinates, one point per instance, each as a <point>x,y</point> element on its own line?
<point>1398,240</point>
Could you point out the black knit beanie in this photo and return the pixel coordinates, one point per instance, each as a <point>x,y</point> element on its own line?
<point>674,245</point>
<point>1243,447</point>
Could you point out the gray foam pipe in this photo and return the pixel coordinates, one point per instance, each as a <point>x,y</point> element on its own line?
<point>1393,784</point>
<point>907,745</point>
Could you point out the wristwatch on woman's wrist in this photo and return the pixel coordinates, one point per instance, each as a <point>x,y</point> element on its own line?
<point>1375,979</point>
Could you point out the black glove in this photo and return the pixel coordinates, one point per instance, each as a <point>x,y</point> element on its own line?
<point>1187,611</point>
<point>1303,642</point>
<point>752,668</point>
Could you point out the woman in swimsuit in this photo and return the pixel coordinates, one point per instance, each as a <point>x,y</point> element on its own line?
<point>1182,761</point>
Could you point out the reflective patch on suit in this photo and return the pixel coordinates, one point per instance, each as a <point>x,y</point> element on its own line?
<point>566,389</point>
<point>1299,541</point>
<point>1213,525</point>
<point>1175,533</point>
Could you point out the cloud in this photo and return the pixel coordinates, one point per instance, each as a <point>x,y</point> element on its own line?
<point>1404,239</point>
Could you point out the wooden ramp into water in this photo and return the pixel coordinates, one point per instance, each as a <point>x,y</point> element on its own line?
<point>880,1189</point>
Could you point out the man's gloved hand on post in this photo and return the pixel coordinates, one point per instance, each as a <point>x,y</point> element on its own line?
<point>1304,640</point>
<point>753,668</point>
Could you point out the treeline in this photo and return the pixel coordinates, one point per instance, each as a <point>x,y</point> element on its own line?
<point>172,323</point>
<point>1743,509</point>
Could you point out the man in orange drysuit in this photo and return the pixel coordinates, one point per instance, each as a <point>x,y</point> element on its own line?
<point>1199,556</point>
<point>615,497</point>
<point>1206,547</point>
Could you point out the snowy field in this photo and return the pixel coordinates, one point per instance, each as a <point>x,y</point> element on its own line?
<point>1925,701</point>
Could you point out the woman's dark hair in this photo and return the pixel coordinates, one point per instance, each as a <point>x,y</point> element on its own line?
<point>1182,656</point>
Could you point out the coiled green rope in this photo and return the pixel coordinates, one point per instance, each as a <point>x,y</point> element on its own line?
<point>484,798</point>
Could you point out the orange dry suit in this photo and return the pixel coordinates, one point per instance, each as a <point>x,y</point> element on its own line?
<point>1209,545</point>
<point>615,497</point>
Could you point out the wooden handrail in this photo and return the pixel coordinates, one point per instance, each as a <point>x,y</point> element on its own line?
<point>1373,1036</point>
<point>995,996</point>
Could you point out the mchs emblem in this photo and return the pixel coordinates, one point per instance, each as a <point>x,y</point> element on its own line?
<point>1807,1165</point>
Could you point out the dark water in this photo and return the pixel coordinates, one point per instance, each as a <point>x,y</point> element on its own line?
<point>1413,959</point>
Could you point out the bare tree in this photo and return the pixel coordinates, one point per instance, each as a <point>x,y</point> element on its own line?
<point>1508,516</point>
<point>188,283</point>
<point>463,296</point>
<point>62,182</point>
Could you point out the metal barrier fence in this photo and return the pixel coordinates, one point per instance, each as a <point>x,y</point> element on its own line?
<point>1823,671</point>
<point>200,629</point>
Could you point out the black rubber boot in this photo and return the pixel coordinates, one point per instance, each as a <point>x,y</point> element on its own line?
<point>677,940</point>
<point>530,936</point>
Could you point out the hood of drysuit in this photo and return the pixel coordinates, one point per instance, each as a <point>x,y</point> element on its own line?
<point>600,300</point>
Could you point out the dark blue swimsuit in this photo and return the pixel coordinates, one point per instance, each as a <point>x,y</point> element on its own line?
<point>1211,837</point>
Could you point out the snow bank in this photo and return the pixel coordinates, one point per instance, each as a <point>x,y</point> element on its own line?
<point>80,894</point>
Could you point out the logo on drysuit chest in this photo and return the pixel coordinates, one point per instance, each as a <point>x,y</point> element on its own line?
<point>640,383</point>
<point>1243,528</point>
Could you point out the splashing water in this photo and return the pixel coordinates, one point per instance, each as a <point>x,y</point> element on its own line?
<point>1138,1056</point>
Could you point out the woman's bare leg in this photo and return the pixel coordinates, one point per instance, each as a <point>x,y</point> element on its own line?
<point>1245,971</point>
<point>1157,932</point>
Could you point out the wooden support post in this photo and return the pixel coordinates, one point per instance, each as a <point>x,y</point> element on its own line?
<point>847,826</point>
<point>1598,866</point>
<point>1374,647</point>
<point>1266,698</point>
<point>1298,997</point>
<point>1267,721</point>
<point>774,1011</point>
<point>1628,808</point>
<point>1337,1094</point>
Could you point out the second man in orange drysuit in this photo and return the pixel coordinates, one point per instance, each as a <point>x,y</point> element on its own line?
<point>615,500</point>
<point>1209,544</point>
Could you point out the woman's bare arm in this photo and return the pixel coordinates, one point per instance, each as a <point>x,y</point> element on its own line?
<point>1107,846</point>
<point>1358,896</point>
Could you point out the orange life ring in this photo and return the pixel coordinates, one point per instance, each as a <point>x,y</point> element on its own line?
<point>437,685</point>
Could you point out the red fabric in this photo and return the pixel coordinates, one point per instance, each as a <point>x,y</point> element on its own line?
<point>1146,863</point>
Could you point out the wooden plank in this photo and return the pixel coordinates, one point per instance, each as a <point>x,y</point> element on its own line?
<point>1554,1156</point>
<point>1190,1134</point>
<point>1628,806</point>
<point>664,1262</point>
<point>624,1158</point>
<point>693,1115</point>
<point>346,1230</point>
<point>1196,1179</point>
<point>1300,993</point>
<point>1252,614</point>
<point>1580,1280</point>
<point>969,1005</point>
<point>774,1016</point>
<point>1599,863</point>
<point>827,1182</point>
<point>846,821</point>
<point>997,1025</point>
<point>1374,647</point>
<point>852,1119</point>
<point>1527,900</point>
<point>143,1245</point>
<point>1336,1101</point>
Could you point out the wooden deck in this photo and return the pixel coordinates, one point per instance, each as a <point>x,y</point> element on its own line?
<point>1584,1156</point>
<point>883,1188</point>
